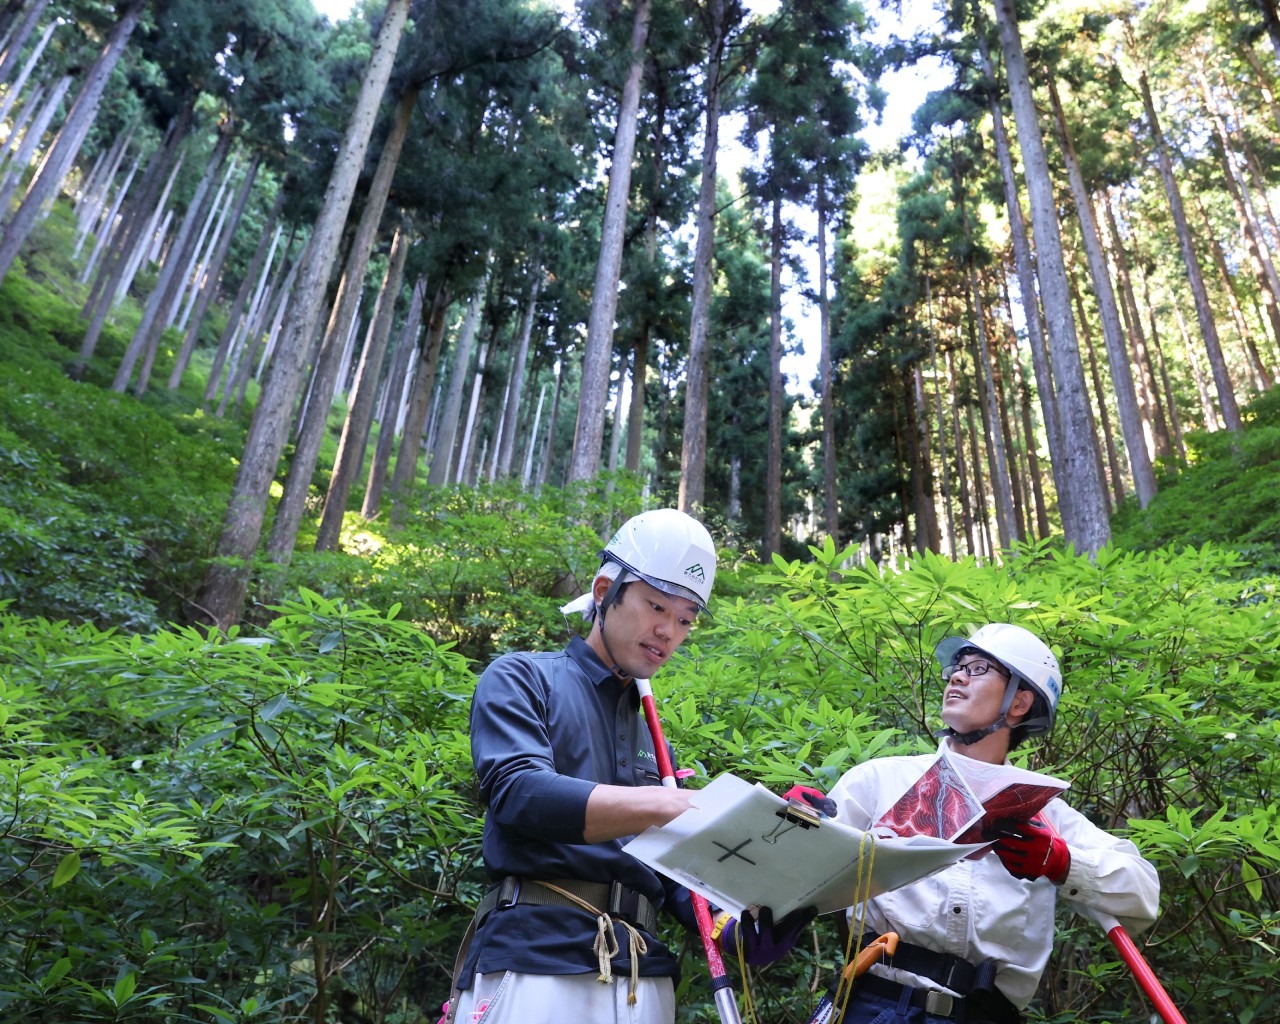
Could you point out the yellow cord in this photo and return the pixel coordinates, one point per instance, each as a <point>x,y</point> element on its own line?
<point>844,985</point>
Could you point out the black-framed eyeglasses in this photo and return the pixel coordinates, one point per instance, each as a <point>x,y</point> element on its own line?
<point>973,670</point>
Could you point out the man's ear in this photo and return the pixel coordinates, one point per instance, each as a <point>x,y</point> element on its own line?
<point>1023,701</point>
<point>599,587</point>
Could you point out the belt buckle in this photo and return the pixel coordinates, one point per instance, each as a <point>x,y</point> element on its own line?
<point>940,1004</point>
<point>623,902</point>
<point>508,892</point>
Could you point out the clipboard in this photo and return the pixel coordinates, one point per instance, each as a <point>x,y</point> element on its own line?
<point>742,846</point>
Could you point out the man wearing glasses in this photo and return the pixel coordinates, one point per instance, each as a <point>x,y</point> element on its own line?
<point>975,937</point>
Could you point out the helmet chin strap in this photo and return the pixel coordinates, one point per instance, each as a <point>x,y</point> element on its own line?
<point>610,596</point>
<point>966,739</point>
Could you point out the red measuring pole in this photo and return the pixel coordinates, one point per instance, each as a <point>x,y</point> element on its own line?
<point>1136,962</point>
<point>1141,969</point>
<point>726,1003</point>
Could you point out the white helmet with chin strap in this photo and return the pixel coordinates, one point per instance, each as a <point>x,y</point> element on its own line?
<point>667,549</point>
<point>1030,663</point>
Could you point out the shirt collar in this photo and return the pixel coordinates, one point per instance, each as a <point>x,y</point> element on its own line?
<point>596,671</point>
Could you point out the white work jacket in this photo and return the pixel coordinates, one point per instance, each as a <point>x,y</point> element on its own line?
<point>975,909</point>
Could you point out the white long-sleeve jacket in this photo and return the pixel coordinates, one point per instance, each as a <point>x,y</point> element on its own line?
<point>975,909</point>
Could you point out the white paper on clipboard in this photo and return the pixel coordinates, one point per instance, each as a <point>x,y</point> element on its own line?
<point>736,850</point>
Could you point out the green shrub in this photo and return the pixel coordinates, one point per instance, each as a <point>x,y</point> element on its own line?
<point>1227,495</point>
<point>229,828</point>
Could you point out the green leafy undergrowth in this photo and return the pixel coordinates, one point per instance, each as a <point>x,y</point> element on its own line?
<point>259,827</point>
<point>1168,730</point>
<point>485,568</point>
<point>1227,495</point>
<point>108,505</point>
<point>229,828</point>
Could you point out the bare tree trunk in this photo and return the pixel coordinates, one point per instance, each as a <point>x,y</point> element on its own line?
<point>392,398</point>
<point>153,229</point>
<point>826,368</point>
<point>355,432</point>
<point>213,271</point>
<point>544,468</point>
<point>151,326</point>
<point>260,334</point>
<point>240,324</point>
<point>471,428</point>
<point>772,540</point>
<point>107,225</point>
<point>986,541</point>
<point>424,382</point>
<point>18,130</point>
<point>1138,443</point>
<point>22,31</point>
<point>620,402</point>
<point>442,456</point>
<point>16,87</point>
<point>920,457</point>
<point>95,187</point>
<point>693,455</point>
<point>1233,302</point>
<point>1000,485</point>
<point>942,421</point>
<point>57,160</point>
<point>27,148</point>
<point>644,333</point>
<point>1180,449</point>
<point>331,364</point>
<point>1259,255</point>
<point>1088,528</point>
<point>222,596</point>
<point>1148,391</point>
<point>1100,397</point>
<point>510,418</point>
<point>1204,312</point>
<point>594,390</point>
<point>1029,440</point>
<point>962,472</point>
<point>532,446</point>
<point>1207,411</point>
<point>267,242</point>
<point>1024,263</point>
<point>187,283</point>
<point>1002,398</point>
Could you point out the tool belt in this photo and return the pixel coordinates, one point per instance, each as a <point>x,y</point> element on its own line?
<point>977,997</point>
<point>612,898</point>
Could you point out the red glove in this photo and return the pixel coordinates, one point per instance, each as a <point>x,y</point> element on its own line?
<point>815,798</point>
<point>1032,849</point>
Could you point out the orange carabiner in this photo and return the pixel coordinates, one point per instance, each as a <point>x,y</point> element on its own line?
<point>881,946</point>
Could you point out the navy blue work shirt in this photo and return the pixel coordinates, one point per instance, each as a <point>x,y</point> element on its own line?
<point>545,729</point>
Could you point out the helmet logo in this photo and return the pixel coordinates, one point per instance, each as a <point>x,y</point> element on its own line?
<point>695,572</point>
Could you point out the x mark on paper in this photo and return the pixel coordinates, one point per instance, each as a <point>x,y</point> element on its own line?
<point>734,852</point>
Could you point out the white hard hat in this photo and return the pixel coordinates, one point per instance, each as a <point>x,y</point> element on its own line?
<point>1024,654</point>
<point>669,550</point>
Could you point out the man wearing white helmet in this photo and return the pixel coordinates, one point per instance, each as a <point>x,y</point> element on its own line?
<point>567,768</point>
<point>975,937</point>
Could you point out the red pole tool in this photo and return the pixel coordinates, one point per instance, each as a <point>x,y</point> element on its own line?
<point>726,1003</point>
